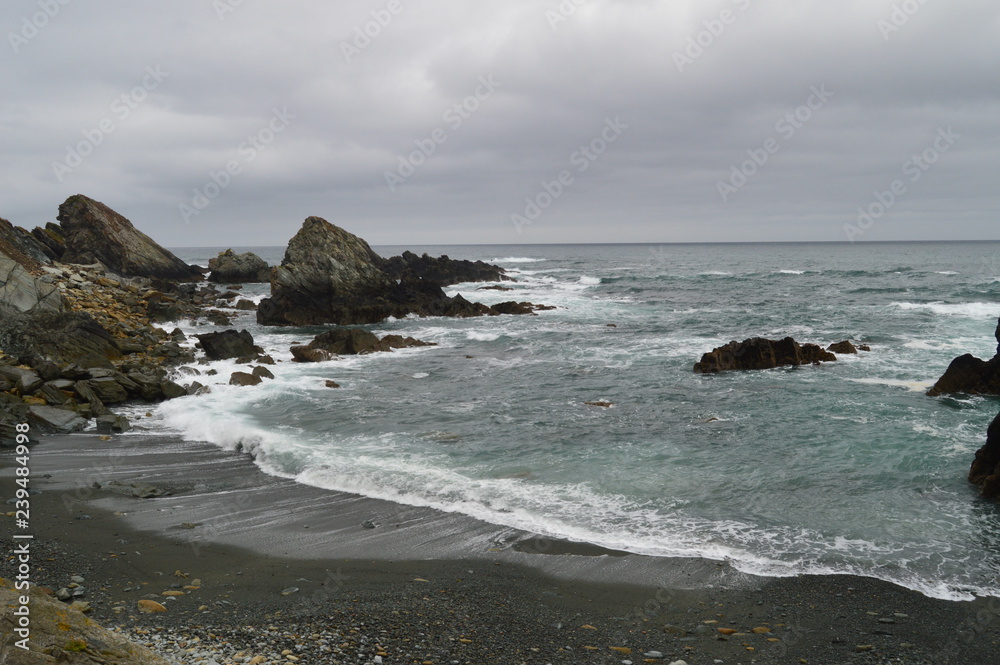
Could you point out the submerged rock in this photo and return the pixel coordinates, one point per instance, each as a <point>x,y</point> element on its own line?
<point>985,471</point>
<point>94,232</point>
<point>232,268</point>
<point>760,353</point>
<point>350,341</point>
<point>842,347</point>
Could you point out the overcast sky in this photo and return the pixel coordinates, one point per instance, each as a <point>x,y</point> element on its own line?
<point>448,122</point>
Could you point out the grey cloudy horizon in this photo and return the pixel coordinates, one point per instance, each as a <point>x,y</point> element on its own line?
<point>228,122</point>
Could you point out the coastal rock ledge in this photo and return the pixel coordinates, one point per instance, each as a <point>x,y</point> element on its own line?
<point>760,353</point>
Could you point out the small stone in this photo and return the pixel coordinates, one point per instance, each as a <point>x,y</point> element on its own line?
<point>290,590</point>
<point>624,650</point>
<point>726,631</point>
<point>420,579</point>
<point>861,648</point>
<point>886,620</point>
<point>761,630</point>
<point>77,579</point>
<point>369,524</point>
<point>172,593</point>
<point>64,594</point>
<point>653,654</point>
<point>81,606</point>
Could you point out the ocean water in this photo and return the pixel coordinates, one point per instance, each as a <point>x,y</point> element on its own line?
<point>842,468</point>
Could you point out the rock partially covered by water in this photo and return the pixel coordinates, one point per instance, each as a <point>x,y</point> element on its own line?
<point>232,268</point>
<point>228,344</point>
<point>760,353</point>
<point>442,270</point>
<point>985,471</point>
<point>94,232</point>
<point>970,375</point>
<point>331,276</point>
<point>348,341</point>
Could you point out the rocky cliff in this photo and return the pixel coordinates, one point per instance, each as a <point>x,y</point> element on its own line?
<point>970,375</point>
<point>94,232</point>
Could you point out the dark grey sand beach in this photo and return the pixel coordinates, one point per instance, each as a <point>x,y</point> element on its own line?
<point>290,573</point>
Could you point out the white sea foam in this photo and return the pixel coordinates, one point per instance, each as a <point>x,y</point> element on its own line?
<point>913,386</point>
<point>973,310</point>
<point>590,281</point>
<point>791,272</point>
<point>479,336</point>
<point>516,259</point>
<point>945,272</point>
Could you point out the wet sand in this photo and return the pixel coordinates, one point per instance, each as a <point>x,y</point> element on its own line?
<point>430,586</point>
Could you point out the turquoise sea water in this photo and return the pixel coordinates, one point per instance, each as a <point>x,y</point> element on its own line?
<point>842,468</point>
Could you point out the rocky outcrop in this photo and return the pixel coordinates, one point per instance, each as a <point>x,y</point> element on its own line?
<point>61,338</point>
<point>442,270</point>
<point>20,246</point>
<point>985,471</point>
<point>60,633</point>
<point>95,233</point>
<point>331,276</point>
<point>970,375</point>
<point>232,268</point>
<point>760,353</point>
<point>341,341</point>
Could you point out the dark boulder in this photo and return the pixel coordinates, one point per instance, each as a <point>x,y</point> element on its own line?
<point>230,267</point>
<point>970,375</point>
<point>112,424</point>
<point>228,344</point>
<point>842,347</point>
<point>244,379</point>
<point>760,353</point>
<point>442,271</point>
<point>351,341</point>
<point>94,232</point>
<point>985,471</point>
<point>262,372</point>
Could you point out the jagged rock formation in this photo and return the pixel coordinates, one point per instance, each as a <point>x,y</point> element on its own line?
<point>760,353</point>
<point>229,344</point>
<point>232,268</point>
<point>19,245</point>
<point>331,276</point>
<point>94,232</point>
<point>970,375</point>
<point>60,633</point>
<point>985,471</point>
<point>442,271</point>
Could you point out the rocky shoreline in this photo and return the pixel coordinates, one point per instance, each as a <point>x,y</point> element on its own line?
<point>80,302</point>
